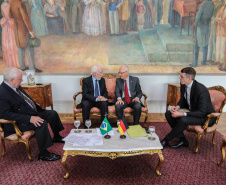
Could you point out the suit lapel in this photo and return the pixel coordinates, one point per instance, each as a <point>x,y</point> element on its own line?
<point>131,84</point>
<point>17,96</point>
<point>91,83</point>
<point>192,91</point>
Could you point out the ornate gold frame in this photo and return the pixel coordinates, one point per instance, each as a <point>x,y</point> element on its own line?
<point>111,155</point>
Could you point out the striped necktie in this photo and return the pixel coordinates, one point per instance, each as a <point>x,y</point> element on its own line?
<point>126,93</point>
<point>27,99</point>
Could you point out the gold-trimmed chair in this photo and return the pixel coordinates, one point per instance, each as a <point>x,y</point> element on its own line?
<point>110,80</point>
<point>18,137</point>
<point>223,144</point>
<point>218,99</point>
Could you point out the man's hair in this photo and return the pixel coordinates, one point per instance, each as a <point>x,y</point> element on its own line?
<point>127,68</point>
<point>189,71</point>
<point>11,73</point>
<point>95,69</point>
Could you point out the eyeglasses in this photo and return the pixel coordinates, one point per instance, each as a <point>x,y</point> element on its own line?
<point>182,76</point>
<point>120,73</point>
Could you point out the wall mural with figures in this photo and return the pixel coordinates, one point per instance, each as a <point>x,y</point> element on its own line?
<point>150,36</point>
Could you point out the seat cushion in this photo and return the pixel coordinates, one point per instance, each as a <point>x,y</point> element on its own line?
<point>26,135</point>
<point>198,129</point>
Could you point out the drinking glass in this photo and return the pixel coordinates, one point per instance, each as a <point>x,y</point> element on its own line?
<point>88,124</point>
<point>77,124</point>
<point>118,122</point>
<point>152,131</point>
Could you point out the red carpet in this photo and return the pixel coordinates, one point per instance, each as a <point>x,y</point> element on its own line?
<point>181,166</point>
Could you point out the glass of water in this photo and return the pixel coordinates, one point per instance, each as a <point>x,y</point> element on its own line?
<point>88,124</point>
<point>152,131</point>
<point>118,122</point>
<point>77,124</point>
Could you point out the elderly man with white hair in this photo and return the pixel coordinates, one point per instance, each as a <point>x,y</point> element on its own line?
<point>94,93</point>
<point>16,104</point>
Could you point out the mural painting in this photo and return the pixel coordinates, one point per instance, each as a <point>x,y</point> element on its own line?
<point>150,36</point>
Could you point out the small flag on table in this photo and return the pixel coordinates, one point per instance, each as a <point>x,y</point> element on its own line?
<point>123,126</point>
<point>105,127</point>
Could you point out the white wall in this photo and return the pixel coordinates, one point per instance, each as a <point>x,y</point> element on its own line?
<point>155,86</point>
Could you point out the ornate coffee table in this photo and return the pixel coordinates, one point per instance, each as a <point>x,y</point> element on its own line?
<point>115,147</point>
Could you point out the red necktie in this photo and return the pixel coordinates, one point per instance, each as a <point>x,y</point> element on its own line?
<point>126,93</point>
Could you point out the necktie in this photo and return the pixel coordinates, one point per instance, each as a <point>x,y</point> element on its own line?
<point>126,93</point>
<point>96,92</point>
<point>27,99</point>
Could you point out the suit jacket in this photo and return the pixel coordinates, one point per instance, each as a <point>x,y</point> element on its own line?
<point>199,99</point>
<point>134,84</point>
<point>88,89</point>
<point>22,24</point>
<point>14,107</point>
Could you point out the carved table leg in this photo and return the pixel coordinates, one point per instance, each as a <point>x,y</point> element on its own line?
<point>161,159</point>
<point>65,165</point>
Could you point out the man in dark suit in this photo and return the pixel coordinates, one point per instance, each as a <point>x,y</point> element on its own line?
<point>196,98</point>
<point>128,94</point>
<point>23,27</point>
<point>94,93</point>
<point>16,104</point>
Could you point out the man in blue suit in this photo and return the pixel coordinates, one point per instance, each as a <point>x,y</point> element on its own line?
<point>94,93</point>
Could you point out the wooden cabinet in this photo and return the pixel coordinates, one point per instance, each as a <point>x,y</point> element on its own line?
<point>173,95</point>
<point>40,93</point>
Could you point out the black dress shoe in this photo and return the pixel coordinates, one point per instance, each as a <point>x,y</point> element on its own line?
<point>26,68</point>
<point>180,144</point>
<point>164,143</point>
<point>49,157</point>
<point>58,140</point>
<point>38,70</point>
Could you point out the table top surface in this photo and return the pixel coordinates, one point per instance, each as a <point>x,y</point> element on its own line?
<point>116,144</point>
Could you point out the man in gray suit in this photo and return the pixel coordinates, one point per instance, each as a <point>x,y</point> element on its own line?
<point>202,32</point>
<point>128,93</point>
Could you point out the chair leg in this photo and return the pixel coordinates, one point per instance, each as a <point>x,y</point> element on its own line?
<point>223,155</point>
<point>3,147</point>
<point>145,120</point>
<point>214,135</point>
<point>27,143</point>
<point>197,142</point>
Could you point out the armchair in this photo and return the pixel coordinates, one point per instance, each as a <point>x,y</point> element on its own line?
<point>110,80</point>
<point>24,137</point>
<point>218,99</point>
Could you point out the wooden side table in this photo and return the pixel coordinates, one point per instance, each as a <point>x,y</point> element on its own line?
<point>40,93</point>
<point>173,95</point>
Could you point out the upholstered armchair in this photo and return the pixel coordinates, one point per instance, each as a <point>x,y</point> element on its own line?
<point>218,99</point>
<point>110,80</point>
<point>17,137</point>
<point>223,144</point>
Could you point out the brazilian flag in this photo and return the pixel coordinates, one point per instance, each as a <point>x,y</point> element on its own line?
<point>105,127</point>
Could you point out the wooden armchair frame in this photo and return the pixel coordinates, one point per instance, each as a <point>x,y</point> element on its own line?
<point>205,126</point>
<point>110,115</point>
<point>19,135</point>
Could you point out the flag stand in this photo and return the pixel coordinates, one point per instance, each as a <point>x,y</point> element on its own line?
<point>107,136</point>
<point>122,136</point>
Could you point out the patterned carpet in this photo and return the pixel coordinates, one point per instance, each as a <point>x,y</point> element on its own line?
<point>181,166</point>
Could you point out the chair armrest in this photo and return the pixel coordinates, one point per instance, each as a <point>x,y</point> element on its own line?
<point>75,96</point>
<point>145,99</point>
<point>3,121</point>
<point>216,115</point>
